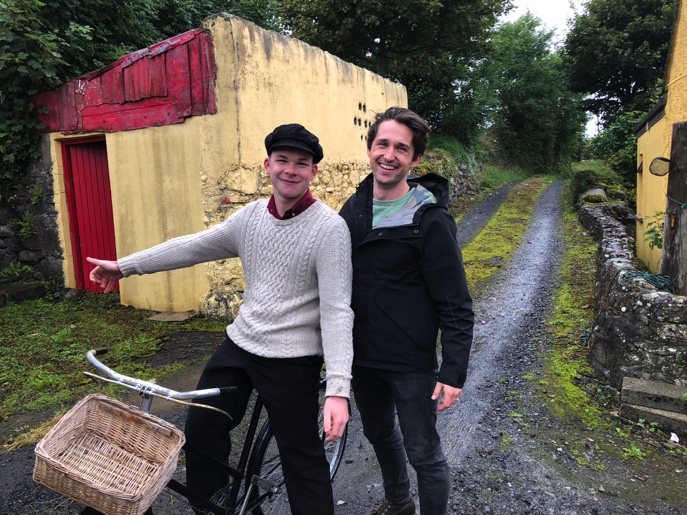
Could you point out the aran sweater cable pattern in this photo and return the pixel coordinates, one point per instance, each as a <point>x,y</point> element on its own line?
<point>298,282</point>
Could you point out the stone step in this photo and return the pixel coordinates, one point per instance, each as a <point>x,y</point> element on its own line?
<point>654,395</point>
<point>20,291</point>
<point>666,420</point>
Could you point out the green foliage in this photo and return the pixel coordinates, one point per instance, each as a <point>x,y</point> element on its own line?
<point>615,53</point>
<point>654,232</point>
<point>633,451</point>
<point>26,226</point>
<point>36,194</point>
<point>30,59</point>
<point>495,176</point>
<point>45,343</point>
<point>445,155</point>
<point>437,161</point>
<point>429,46</point>
<point>617,145</point>
<point>16,271</point>
<point>585,179</point>
<point>535,121</point>
<point>596,198</point>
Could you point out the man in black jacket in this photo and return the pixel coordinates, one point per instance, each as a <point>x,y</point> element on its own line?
<point>408,282</point>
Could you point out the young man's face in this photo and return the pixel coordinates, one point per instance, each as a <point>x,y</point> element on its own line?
<point>290,172</point>
<point>391,154</point>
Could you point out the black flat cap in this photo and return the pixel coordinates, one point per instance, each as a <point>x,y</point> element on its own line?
<point>294,135</point>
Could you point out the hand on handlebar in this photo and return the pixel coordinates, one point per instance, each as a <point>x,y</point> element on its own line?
<point>105,274</point>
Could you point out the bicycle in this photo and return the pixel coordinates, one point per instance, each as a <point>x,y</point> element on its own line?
<point>257,484</point>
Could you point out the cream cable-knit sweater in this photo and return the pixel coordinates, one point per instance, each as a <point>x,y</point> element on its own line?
<point>298,282</point>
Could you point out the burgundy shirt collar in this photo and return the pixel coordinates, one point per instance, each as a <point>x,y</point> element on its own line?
<point>303,203</point>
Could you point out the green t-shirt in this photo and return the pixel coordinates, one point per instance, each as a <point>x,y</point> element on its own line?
<point>382,209</point>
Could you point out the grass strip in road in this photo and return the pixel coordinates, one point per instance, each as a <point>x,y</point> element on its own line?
<point>494,245</point>
<point>570,325</point>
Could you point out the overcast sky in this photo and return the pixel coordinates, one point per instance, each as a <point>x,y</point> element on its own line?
<point>554,13</point>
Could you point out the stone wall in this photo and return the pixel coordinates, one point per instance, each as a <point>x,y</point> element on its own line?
<point>639,331</point>
<point>28,222</point>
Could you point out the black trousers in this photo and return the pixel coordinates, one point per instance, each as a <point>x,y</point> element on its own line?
<point>289,389</point>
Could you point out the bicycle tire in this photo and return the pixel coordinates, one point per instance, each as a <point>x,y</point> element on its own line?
<point>265,463</point>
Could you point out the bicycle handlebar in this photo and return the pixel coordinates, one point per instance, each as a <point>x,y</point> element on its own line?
<point>147,387</point>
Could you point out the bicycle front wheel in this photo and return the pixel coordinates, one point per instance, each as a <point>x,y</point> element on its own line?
<point>267,464</point>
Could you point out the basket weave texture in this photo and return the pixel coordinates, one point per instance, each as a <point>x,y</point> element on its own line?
<point>109,456</point>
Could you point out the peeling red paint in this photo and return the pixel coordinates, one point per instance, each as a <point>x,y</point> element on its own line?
<point>158,85</point>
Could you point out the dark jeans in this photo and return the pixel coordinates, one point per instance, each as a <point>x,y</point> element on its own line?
<point>289,389</point>
<point>380,395</point>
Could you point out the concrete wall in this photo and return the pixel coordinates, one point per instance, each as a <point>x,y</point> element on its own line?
<point>170,181</point>
<point>639,330</point>
<point>651,190</point>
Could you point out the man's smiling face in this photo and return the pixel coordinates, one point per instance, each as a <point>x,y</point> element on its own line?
<point>391,156</point>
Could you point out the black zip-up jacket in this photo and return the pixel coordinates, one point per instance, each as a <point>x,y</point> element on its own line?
<point>409,282</point>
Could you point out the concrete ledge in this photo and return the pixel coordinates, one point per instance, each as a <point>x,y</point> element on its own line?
<point>654,395</point>
<point>666,420</point>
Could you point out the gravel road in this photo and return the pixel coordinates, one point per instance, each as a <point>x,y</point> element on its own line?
<point>500,464</point>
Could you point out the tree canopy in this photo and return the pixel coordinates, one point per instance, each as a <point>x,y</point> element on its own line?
<point>615,53</point>
<point>428,45</point>
<point>534,119</point>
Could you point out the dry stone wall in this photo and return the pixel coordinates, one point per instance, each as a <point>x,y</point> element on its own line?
<point>28,222</point>
<point>639,330</point>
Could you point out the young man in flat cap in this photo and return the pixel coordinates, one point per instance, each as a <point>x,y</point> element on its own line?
<point>408,282</point>
<point>295,253</point>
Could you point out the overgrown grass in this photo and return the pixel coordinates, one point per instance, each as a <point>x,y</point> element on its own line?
<point>593,164</point>
<point>493,246</point>
<point>496,176</point>
<point>570,326</point>
<point>489,178</point>
<point>44,343</point>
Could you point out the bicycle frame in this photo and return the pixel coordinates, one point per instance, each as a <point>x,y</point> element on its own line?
<point>238,473</point>
<point>148,390</point>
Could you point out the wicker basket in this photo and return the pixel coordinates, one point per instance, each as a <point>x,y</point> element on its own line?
<point>109,456</point>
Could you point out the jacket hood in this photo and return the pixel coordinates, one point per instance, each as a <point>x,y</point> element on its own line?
<point>434,183</point>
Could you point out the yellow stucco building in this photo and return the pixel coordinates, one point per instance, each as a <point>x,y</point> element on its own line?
<point>654,135</point>
<point>183,146</point>
<point>651,188</point>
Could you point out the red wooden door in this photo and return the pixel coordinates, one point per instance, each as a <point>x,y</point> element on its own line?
<point>87,187</point>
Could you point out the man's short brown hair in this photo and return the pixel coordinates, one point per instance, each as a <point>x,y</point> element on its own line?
<point>410,119</point>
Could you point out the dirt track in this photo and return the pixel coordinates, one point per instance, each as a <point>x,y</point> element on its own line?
<point>500,464</point>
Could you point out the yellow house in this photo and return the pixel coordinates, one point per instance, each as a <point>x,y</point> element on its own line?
<point>651,188</point>
<point>169,140</point>
<point>654,136</point>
